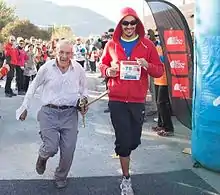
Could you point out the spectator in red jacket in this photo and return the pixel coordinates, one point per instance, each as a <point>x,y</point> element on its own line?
<point>11,55</point>
<point>127,61</point>
<point>44,50</point>
<point>22,59</point>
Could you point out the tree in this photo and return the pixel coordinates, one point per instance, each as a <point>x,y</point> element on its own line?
<point>1,39</point>
<point>44,34</point>
<point>25,29</point>
<point>7,14</point>
<point>62,32</point>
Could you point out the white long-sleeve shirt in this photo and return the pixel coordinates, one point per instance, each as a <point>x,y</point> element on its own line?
<point>78,54</point>
<point>56,87</point>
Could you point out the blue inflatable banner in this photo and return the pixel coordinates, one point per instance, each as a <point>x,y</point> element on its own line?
<point>206,97</point>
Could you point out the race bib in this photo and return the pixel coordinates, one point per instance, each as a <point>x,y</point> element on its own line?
<point>130,70</point>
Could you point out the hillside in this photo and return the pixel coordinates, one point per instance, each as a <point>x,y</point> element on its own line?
<point>83,21</point>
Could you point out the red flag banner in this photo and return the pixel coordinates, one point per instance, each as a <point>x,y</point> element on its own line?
<point>180,88</point>
<point>175,40</point>
<point>178,64</point>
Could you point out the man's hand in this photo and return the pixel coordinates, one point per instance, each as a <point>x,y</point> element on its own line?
<point>142,62</point>
<point>23,115</point>
<point>113,70</point>
<point>82,105</point>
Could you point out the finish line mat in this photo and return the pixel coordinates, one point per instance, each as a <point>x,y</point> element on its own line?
<point>183,182</point>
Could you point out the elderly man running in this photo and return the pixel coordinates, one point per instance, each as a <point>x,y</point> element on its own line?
<point>63,83</point>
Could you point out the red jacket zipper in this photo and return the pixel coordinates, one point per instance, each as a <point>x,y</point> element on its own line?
<point>128,58</point>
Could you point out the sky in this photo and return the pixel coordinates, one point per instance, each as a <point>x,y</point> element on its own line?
<point>111,8</point>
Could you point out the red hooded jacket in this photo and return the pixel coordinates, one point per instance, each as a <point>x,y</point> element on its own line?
<point>128,90</point>
<point>11,53</point>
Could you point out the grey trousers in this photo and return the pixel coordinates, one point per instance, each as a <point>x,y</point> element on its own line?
<point>58,130</point>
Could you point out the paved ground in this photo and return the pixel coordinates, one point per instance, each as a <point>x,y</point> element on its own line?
<point>159,166</point>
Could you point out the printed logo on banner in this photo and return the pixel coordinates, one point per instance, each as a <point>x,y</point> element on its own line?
<point>180,87</point>
<point>175,40</point>
<point>178,64</point>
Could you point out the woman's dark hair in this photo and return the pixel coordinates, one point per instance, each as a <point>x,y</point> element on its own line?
<point>30,45</point>
<point>151,34</point>
<point>111,30</point>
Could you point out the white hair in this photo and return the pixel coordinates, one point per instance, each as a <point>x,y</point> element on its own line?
<point>64,42</point>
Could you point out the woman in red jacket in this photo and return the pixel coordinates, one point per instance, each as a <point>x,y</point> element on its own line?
<point>127,61</point>
<point>11,56</point>
<point>21,60</point>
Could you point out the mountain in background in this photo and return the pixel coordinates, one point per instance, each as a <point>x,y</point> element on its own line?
<point>43,13</point>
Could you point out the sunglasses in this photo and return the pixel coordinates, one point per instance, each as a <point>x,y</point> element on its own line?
<point>132,22</point>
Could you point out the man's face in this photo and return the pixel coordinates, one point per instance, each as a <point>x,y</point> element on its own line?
<point>40,41</point>
<point>21,43</point>
<point>110,35</point>
<point>78,41</point>
<point>64,54</point>
<point>129,24</point>
<point>32,40</point>
<point>103,37</point>
<point>31,48</point>
<point>157,38</point>
<point>12,40</point>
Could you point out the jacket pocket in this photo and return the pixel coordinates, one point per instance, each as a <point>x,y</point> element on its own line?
<point>117,87</point>
<point>138,89</point>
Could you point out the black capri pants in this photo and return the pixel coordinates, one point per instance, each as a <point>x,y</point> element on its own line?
<point>127,120</point>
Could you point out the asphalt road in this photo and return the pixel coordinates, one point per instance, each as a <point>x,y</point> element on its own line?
<point>158,166</point>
